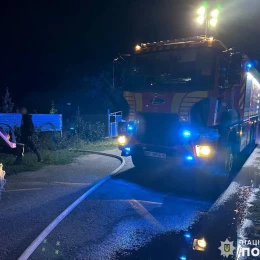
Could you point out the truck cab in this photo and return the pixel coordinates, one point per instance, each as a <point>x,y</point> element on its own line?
<point>190,101</point>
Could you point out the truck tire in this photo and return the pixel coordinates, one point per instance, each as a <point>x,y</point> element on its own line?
<point>139,160</point>
<point>230,161</point>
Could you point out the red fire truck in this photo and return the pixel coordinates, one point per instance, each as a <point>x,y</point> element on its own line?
<point>191,101</point>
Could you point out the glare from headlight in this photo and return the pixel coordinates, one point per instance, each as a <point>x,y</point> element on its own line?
<point>121,140</point>
<point>202,243</point>
<point>203,150</point>
<point>199,244</point>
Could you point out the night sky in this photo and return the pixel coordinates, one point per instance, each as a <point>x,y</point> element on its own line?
<point>48,45</point>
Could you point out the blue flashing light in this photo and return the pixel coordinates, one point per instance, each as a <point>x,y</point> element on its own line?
<point>128,149</point>
<point>186,133</point>
<point>183,257</point>
<point>189,158</point>
<point>187,235</point>
<point>130,128</point>
<point>72,128</point>
<point>249,66</point>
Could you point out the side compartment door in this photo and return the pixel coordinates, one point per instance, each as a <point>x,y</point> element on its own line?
<point>247,110</point>
<point>244,134</point>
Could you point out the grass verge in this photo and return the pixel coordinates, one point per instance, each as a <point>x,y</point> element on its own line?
<point>58,157</point>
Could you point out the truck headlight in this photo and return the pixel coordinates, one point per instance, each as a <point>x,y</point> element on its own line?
<point>122,140</point>
<point>203,150</point>
<point>199,244</point>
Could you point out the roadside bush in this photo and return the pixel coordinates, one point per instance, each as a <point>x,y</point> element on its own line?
<point>95,131</point>
<point>83,134</point>
<point>88,131</point>
<point>46,140</point>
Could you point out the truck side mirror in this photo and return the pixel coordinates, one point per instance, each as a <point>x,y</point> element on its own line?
<point>234,70</point>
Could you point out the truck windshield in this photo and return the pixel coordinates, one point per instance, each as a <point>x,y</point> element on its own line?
<point>191,68</point>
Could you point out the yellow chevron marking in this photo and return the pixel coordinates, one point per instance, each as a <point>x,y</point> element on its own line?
<point>184,109</point>
<point>138,101</point>
<point>131,103</point>
<point>198,94</point>
<point>130,100</point>
<point>187,104</point>
<point>243,88</point>
<point>241,100</point>
<point>184,113</point>
<point>128,94</point>
<point>176,101</point>
<point>191,99</point>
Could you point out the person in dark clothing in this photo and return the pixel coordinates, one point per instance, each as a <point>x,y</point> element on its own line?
<point>27,129</point>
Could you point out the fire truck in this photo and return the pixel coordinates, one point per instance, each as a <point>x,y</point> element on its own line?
<point>192,101</point>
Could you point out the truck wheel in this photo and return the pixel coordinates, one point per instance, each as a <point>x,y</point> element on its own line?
<point>230,161</point>
<point>139,162</point>
<point>138,159</point>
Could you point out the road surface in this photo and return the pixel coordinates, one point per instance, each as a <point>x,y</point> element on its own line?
<point>33,199</point>
<point>131,216</point>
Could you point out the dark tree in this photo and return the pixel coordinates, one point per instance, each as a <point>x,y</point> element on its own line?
<point>8,105</point>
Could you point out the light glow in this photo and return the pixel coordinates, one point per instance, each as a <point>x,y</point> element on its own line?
<point>200,19</point>
<point>202,243</point>
<point>213,22</point>
<point>128,149</point>
<point>201,10</point>
<point>203,150</point>
<point>249,65</point>
<point>130,128</point>
<point>250,76</point>
<point>199,244</point>
<point>186,133</point>
<point>137,47</point>
<point>187,235</point>
<point>121,140</point>
<point>215,13</point>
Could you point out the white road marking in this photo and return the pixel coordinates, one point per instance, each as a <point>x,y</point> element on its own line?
<point>30,189</point>
<point>32,247</point>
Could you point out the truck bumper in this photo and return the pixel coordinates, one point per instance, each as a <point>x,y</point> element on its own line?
<point>169,157</point>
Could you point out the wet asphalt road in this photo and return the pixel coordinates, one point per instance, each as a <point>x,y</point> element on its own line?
<point>131,211</point>
<point>33,199</point>
<point>132,216</point>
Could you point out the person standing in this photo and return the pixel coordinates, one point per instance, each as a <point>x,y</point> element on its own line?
<point>27,129</point>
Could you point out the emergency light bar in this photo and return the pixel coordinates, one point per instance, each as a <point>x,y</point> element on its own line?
<point>180,40</point>
<point>163,44</point>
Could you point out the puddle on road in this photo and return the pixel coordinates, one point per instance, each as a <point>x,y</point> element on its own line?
<point>152,213</point>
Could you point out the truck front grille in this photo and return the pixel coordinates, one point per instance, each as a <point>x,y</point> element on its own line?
<point>158,129</point>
